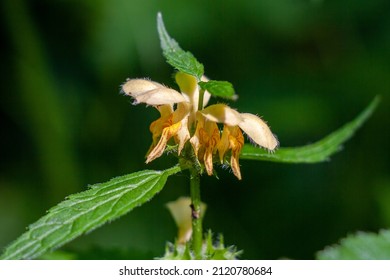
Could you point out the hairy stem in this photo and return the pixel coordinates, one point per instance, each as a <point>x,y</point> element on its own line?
<point>196,215</point>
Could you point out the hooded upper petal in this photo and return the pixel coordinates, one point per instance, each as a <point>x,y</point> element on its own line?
<point>134,87</point>
<point>258,131</point>
<point>222,113</point>
<point>151,93</point>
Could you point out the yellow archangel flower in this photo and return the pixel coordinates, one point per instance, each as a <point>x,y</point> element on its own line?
<point>176,122</point>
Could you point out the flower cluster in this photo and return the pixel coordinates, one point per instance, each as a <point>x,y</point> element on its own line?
<point>178,121</point>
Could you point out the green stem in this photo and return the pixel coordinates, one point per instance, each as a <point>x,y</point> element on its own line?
<point>196,215</point>
<point>200,101</point>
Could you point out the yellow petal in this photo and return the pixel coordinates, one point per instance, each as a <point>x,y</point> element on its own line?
<point>207,95</point>
<point>188,85</point>
<point>167,133</point>
<point>195,139</point>
<point>209,138</point>
<point>167,126</point>
<point>181,115</point>
<point>207,151</point>
<point>165,110</point>
<point>236,141</point>
<point>223,145</point>
<point>204,142</point>
<point>258,131</point>
<point>182,135</point>
<point>232,139</point>
<point>222,113</point>
<point>190,89</point>
<point>157,126</point>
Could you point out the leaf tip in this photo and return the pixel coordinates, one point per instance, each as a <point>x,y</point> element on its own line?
<point>160,23</point>
<point>166,42</point>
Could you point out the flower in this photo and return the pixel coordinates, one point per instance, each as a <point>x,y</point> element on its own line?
<point>178,121</point>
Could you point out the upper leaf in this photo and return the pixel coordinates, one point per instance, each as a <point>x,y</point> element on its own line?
<point>86,211</point>
<point>219,88</point>
<point>181,60</point>
<point>361,246</point>
<point>316,152</point>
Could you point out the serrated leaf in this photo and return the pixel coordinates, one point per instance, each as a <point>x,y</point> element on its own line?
<point>317,152</point>
<point>181,60</point>
<point>85,211</point>
<point>219,88</point>
<point>360,246</point>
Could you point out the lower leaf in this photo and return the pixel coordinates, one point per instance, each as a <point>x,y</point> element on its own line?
<point>85,211</point>
<point>361,246</point>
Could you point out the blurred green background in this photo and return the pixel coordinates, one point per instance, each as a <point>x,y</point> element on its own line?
<point>306,66</point>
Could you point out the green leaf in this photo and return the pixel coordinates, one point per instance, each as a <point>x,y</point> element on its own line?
<point>181,60</point>
<point>317,152</point>
<point>360,246</point>
<point>219,88</point>
<point>85,211</point>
